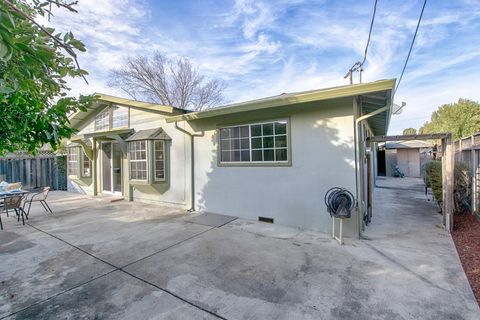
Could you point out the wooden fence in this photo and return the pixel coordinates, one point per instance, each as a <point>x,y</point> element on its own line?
<point>45,169</point>
<point>468,150</point>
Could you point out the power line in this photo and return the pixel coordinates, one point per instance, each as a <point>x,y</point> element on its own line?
<point>358,65</point>
<point>369,33</point>
<point>411,47</point>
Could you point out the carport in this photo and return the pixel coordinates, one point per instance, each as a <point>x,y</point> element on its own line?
<point>447,156</point>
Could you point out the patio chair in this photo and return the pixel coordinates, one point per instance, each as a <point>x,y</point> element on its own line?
<point>41,197</point>
<point>10,187</point>
<point>15,203</point>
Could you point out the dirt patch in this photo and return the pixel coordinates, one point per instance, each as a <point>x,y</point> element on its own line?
<point>466,235</point>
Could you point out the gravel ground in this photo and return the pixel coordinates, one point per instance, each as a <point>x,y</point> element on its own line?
<point>466,235</point>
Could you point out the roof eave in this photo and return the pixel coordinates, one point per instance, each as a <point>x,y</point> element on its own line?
<point>103,99</point>
<point>289,100</point>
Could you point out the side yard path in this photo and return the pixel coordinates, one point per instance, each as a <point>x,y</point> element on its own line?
<point>466,235</point>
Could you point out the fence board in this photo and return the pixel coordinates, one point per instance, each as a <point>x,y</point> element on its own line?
<point>35,172</point>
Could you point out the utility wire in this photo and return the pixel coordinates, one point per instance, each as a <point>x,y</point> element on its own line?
<point>411,47</point>
<point>369,34</point>
<point>358,65</point>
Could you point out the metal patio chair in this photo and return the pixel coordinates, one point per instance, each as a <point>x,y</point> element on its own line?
<point>15,203</point>
<point>10,187</point>
<point>41,197</point>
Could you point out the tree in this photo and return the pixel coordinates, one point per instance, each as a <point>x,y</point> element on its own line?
<point>409,131</point>
<point>34,63</point>
<point>169,82</point>
<point>461,119</point>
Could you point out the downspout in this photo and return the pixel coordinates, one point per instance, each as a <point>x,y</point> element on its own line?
<point>358,136</point>
<point>192,161</point>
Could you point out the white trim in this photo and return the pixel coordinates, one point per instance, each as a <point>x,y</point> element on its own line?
<point>154,160</point>
<point>251,149</point>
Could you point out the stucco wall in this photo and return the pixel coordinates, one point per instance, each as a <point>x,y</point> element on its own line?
<point>174,191</point>
<point>322,157</point>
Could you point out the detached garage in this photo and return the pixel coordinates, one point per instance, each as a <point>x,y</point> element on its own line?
<point>409,156</point>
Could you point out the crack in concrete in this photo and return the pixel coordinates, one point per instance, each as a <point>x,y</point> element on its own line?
<point>116,268</point>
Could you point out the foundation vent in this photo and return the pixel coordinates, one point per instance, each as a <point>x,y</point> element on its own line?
<point>265,219</point>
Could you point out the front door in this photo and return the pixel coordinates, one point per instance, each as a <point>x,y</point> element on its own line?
<point>111,167</point>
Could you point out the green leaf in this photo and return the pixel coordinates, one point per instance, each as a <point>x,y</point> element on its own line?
<point>6,90</point>
<point>3,50</point>
<point>63,71</point>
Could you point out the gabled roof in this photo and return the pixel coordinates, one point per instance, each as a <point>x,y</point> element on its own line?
<point>149,134</point>
<point>292,99</point>
<point>105,100</point>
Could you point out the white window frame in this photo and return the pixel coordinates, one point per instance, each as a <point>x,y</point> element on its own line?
<point>83,156</point>
<point>123,117</point>
<point>130,160</point>
<point>103,113</point>
<point>109,110</point>
<point>73,151</point>
<point>155,161</point>
<point>251,162</point>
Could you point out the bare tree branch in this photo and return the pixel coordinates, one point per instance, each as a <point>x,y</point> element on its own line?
<point>169,82</point>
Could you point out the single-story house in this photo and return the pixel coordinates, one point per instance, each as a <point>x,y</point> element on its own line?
<point>271,158</point>
<point>409,156</point>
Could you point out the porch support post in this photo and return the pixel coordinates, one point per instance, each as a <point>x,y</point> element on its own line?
<point>94,167</point>
<point>448,182</point>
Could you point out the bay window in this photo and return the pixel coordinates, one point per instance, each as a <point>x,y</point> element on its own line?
<point>159,160</point>
<point>147,154</point>
<point>138,160</point>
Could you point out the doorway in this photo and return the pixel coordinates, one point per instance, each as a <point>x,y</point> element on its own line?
<point>381,163</point>
<point>111,171</point>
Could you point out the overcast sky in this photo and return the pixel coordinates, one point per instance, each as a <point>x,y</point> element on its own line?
<point>264,48</point>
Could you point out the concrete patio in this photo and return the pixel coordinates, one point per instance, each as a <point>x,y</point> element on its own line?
<point>96,259</point>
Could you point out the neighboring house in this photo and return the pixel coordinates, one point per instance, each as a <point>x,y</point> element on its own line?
<point>409,156</point>
<point>274,157</point>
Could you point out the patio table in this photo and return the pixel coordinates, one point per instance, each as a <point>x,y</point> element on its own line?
<point>12,193</point>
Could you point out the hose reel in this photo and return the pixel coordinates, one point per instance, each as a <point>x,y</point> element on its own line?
<point>340,202</point>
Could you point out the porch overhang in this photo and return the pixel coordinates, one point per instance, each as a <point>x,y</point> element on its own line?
<point>107,135</point>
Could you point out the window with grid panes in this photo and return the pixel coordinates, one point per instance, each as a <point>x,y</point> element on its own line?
<point>85,165</point>
<point>102,120</point>
<point>119,117</point>
<point>255,143</point>
<point>159,159</point>
<point>138,160</point>
<point>72,161</point>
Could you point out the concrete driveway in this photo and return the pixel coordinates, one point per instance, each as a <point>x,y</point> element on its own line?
<point>94,259</point>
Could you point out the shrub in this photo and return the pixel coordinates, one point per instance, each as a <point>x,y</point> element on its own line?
<point>462,188</point>
<point>433,171</point>
<point>462,185</point>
